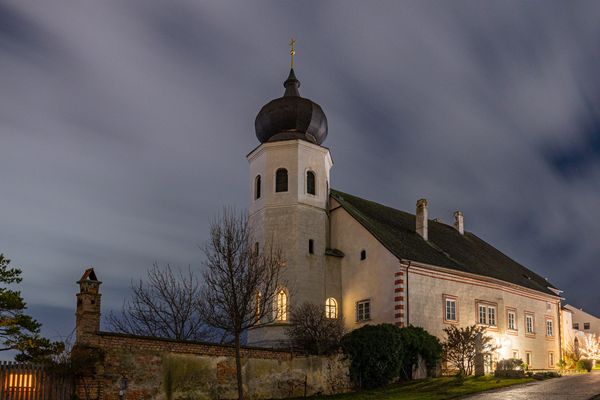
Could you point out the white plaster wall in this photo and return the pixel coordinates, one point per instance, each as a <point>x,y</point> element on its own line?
<point>425,309</point>
<point>372,278</point>
<point>289,220</point>
<point>581,317</point>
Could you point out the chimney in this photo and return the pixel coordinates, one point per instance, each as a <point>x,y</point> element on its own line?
<point>421,227</point>
<point>459,222</point>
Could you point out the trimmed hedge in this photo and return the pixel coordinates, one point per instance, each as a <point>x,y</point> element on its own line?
<point>382,353</point>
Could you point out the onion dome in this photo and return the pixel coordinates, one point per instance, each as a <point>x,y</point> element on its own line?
<point>291,117</point>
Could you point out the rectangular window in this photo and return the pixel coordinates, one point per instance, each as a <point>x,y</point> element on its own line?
<point>551,359</point>
<point>511,318</point>
<point>549,328</point>
<point>576,325</point>
<point>515,354</point>
<point>586,325</point>
<point>363,310</point>
<point>528,359</point>
<point>491,316</point>
<point>487,314</point>
<point>482,315</point>
<point>529,324</point>
<point>450,309</point>
<point>311,246</point>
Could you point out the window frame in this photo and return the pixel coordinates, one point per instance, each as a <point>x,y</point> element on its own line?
<point>445,299</point>
<point>528,358</point>
<point>576,325</point>
<point>552,334</point>
<point>277,182</point>
<point>331,304</point>
<point>487,306</point>
<point>532,315</point>
<point>312,173</point>
<point>551,359</point>
<point>279,315</point>
<point>515,329</point>
<point>586,326</point>
<point>357,308</point>
<point>257,187</point>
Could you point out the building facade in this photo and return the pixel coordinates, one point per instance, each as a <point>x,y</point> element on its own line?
<point>368,263</point>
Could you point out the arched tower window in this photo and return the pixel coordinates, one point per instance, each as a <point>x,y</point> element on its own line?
<point>280,311</point>
<point>281,180</point>
<point>331,309</point>
<point>310,183</point>
<point>257,187</point>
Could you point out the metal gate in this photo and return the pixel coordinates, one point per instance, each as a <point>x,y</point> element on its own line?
<point>23,381</point>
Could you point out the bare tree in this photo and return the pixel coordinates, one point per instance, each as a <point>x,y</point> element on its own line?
<point>311,330</point>
<point>464,344</point>
<point>240,283</point>
<point>166,305</point>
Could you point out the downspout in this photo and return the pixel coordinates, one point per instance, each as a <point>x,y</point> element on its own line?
<point>560,328</point>
<point>406,301</point>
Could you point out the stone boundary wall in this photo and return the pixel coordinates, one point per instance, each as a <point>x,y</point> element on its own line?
<point>204,370</point>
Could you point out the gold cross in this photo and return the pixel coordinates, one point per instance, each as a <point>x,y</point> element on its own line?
<point>292,50</point>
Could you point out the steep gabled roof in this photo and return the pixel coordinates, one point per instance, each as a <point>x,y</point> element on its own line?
<point>446,247</point>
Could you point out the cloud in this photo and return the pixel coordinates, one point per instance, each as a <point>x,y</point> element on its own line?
<point>124,125</point>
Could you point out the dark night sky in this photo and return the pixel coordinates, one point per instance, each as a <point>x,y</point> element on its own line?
<point>124,126</point>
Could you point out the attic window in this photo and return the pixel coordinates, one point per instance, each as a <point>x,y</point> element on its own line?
<point>363,255</point>
<point>526,276</point>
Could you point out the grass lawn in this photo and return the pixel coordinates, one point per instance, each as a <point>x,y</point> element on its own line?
<point>431,389</point>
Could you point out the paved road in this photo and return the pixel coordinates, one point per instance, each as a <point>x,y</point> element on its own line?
<point>574,387</point>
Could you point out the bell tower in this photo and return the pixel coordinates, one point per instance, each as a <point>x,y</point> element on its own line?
<point>289,198</point>
<point>88,305</point>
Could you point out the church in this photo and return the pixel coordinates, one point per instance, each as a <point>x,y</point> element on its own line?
<point>369,263</point>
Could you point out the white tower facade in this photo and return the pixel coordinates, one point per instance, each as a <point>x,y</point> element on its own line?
<point>289,197</point>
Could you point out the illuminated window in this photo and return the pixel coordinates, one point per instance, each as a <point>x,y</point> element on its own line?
<point>281,180</point>
<point>511,318</point>
<point>363,310</point>
<point>311,246</point>
<point>549,327</point>
<point>331,310</point>
<point>515,354</point>
<point>363,255</point>
<point>310,182</point>
<point>487,314</point>
<point>281,306</point>
<point>257,188</point>
<point>529,324</point>
<point>450,309</point>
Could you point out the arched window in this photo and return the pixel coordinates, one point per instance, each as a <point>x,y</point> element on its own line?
<point>257,188</point>
<point>310,183</point>
<point>281,180</point>
<point>331,310</point>
<point>280,312</point>
<point>363,255</point>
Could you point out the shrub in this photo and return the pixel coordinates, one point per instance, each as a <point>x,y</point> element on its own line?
<point>375,352</point>
<point>311,331</point>
<point>584,365</point>
<point>418,342</point>
<point>381,353</point>
<point>510,368</point>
